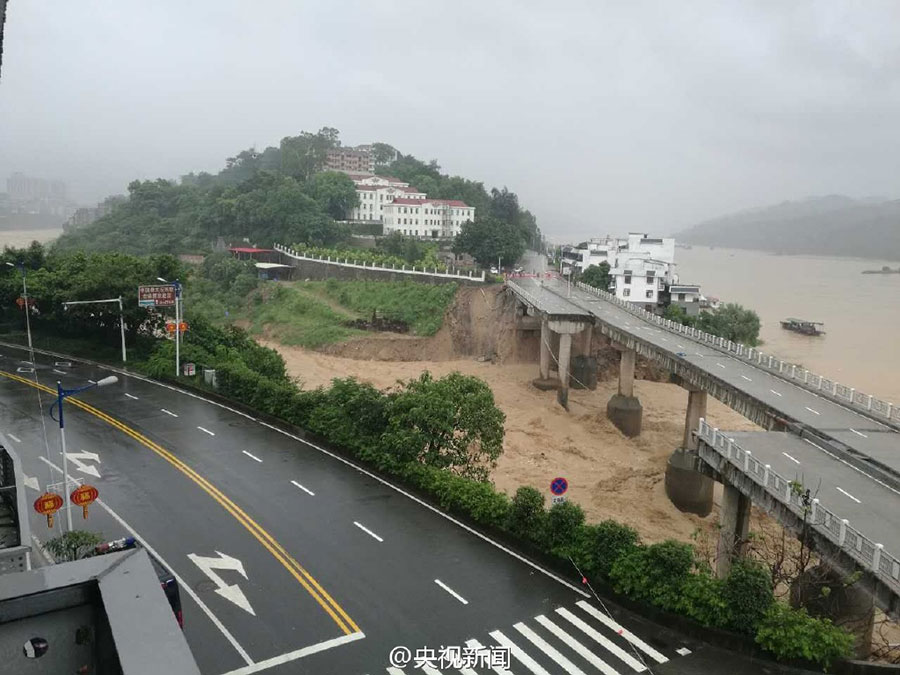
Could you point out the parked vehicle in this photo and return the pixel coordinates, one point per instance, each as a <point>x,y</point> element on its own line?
<point>167,580</point>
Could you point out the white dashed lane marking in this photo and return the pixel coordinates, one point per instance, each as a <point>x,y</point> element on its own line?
<point>844,492</point>
<point>168,412</point>
<point>247,453</point>
<point>206,431</point>
<point>306,490</point>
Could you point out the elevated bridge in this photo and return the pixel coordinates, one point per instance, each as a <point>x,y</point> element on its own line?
<point>821,436</point>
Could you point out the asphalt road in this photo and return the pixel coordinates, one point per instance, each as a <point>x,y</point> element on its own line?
<point>292,560</point>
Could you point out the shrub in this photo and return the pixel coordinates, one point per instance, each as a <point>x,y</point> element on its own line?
<point>607,542</point>
<point>748,594</point>
<point>73,545</point>
<point>564,522</point>
<point>792,634</point>
<point>656,573</point>
<point>527,517</point>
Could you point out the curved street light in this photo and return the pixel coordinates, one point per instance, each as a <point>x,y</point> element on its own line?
<point>61,395</point>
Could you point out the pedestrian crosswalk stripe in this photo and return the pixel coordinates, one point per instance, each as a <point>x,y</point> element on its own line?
<point>428,670</point>
<point>467,671</point>
<point>514,649</point>
<point>582,651</point>
<point>475,644</point>
<point>624,632</point>
<point>395,671</point>
<point>550,651</point>
<point>598,637</point>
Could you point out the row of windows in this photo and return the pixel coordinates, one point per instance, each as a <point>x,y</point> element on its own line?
<point>626,293</point>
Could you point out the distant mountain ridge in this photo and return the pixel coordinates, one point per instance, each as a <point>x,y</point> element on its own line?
<point>829,225</point>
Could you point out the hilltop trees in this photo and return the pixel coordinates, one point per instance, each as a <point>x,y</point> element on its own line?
<point>489,239</point>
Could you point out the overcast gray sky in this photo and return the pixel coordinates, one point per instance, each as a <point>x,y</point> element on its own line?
<point>602,116</point>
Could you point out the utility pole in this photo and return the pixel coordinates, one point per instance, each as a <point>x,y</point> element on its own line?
<point>177,286</point>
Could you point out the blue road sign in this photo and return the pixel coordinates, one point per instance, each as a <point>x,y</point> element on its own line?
<point>558,486</point>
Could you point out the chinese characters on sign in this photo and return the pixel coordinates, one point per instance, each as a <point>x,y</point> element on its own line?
<point>156,296</point>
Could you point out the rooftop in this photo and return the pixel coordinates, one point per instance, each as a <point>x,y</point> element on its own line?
<point>439,202</point>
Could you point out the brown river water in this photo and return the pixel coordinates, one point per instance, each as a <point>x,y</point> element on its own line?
<point>861,312</point>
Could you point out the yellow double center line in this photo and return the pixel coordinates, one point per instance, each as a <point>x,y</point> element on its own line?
<point>319,594</point>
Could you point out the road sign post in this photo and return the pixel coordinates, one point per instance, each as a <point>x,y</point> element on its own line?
<point>558,488</point>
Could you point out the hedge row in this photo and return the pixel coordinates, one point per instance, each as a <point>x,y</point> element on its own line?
<point>667,575</point>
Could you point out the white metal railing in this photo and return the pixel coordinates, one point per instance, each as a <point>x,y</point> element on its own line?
<point>356,264</point>
<point>867,553</point>
<point>798,375</point>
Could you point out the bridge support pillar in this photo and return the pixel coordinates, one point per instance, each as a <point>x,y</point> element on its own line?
<point>545,350</point>
<point>850,606</point>
<point>734,525</point>
<point>688,489</point>
<point>565,355</point>
<point>624,409</point>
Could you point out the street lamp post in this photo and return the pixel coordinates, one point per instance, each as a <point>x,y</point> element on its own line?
<point>61,394</point>
<point>21,266</point>
<point>177,286</point>
<point>121,316</point>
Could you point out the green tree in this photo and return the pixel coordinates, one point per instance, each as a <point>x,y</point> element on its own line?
<point>304,155</point>
<point>73,545</point>
<point>597,276</point>
<point>383,154</point>
<point>732,322</point>
<point>450,423</point>
<point>334,192</point>
<point>527,517</point>
<point>488,239</point>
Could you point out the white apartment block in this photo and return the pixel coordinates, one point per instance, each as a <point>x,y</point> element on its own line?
<point>432,218</point>
<point>372,179</point>
<point>373,199</point>
<point>644,268</point>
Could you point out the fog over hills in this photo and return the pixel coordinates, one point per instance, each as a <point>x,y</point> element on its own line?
<point>829,225</point>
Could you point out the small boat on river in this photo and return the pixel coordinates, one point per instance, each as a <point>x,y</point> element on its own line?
<point>803,326</point>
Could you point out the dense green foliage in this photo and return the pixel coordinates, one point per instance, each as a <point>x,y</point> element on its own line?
<point>54,278</point>
<point>490,241</point>
<point>731,321</point>
<point>278,195</point>
<point>792,634</point>
<point>597,276</point>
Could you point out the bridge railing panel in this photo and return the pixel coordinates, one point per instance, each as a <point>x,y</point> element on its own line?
<point>869,554</point>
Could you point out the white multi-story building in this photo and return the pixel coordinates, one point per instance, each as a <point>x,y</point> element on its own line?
<point>373,199</point>
<point>644,268</point>
<point>372,179</point>
<point>432,218</point>
<point>593,252</point>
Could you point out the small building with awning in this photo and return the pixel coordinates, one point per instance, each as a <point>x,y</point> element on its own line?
<point>274,271</point>
<point>253,253</point>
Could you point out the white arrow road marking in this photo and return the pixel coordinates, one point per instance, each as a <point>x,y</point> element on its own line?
<point>19,440</point>
<point>31,481</point>
<point>451,591</point>
<point>77,457</point>
<point>309,492</point>
<point>24,370</point>
<point>231,592</point>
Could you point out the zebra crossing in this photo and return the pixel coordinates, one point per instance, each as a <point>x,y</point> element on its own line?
<point>578,640</point>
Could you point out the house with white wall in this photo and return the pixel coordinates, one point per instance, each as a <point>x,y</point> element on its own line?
<point>431,218</point>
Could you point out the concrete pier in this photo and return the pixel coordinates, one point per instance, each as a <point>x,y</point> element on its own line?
<point>545,350</point>
<point>686,488</point>
<point>624,409</point>
<point>734,525</point>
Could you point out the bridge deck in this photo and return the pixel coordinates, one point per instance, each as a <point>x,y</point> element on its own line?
<point>869,505</point>
<point>555,307</point>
